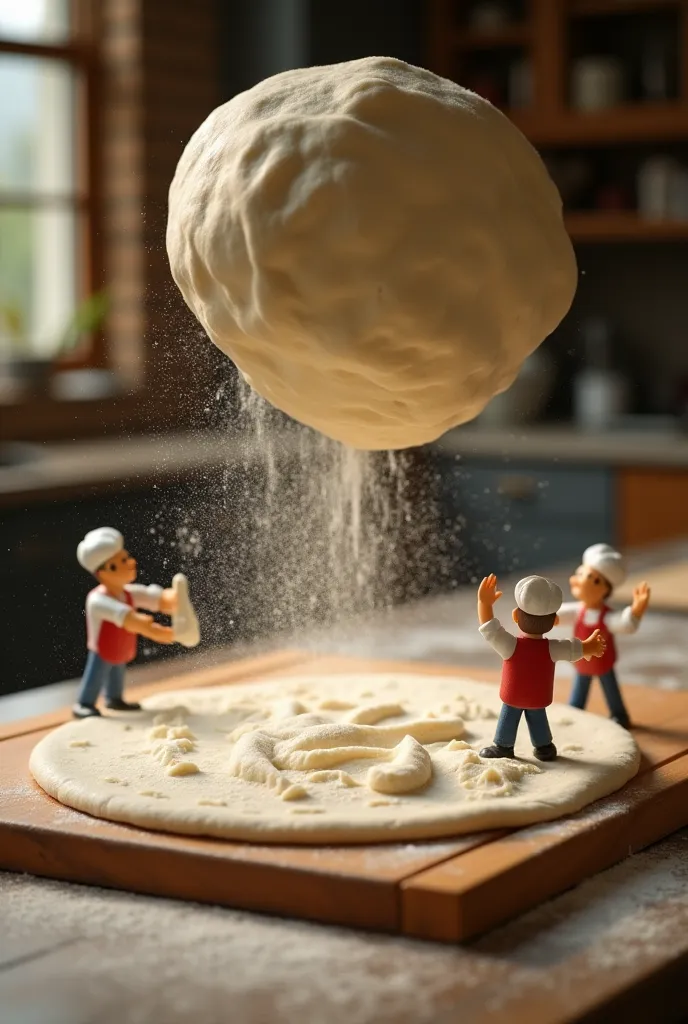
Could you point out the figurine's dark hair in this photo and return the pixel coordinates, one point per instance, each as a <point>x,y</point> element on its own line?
<point>535,624</point>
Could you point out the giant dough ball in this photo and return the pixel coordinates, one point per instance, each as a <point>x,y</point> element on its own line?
<point>376,248</point>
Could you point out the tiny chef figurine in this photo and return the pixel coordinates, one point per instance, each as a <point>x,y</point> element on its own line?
<point>113,621</point>
<point>602,568</point>
<point>528,671</point>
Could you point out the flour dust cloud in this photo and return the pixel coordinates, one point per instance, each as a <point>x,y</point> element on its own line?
<point>328,520</point>
<point>295,530</point>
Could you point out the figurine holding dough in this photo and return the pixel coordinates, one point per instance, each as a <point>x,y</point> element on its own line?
<point>113,620</point>
<point>601,569</point>
<point>527,686</point>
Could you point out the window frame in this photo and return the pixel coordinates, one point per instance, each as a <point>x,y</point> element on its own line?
<point>80,53</point>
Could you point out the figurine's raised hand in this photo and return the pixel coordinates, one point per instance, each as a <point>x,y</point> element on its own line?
<point>487,595</point>
<point>594,646</point>
<point>641,599</point>
<point>487,591</point>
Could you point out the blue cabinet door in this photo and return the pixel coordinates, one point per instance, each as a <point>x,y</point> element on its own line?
<point>518,517</point>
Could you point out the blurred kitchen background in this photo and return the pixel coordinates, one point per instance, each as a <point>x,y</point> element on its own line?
<point>114,408</point>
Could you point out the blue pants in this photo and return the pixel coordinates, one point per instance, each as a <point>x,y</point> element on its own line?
<point>610,688</point>
<point>98,674</point>
<point>509,719</point>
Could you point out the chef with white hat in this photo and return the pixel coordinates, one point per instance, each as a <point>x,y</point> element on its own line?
<point>112,619</point>
<point>527,686</point>
<point>602,569</point>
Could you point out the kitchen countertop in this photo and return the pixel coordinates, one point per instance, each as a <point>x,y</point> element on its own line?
<point>564,444</point>
<point>70,468</point>
<point>72,954</point>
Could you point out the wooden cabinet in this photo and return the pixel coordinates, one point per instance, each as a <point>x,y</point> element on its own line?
<point>651,504</point>
<point>548,37</point>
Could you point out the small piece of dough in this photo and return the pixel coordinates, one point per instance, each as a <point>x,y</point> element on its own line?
<point>409,769</point>
<point>333,775</point>
<point>184,619</point>
<point>294,792</point>
<point>375,713</point>
<point>179,768</point>
<point>80,743</point>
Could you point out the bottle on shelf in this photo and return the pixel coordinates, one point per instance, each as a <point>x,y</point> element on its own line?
<point>662,189</point>
<point>520,85</point>
<point>600,392</point>
<point>489,16</point>
<point>597,83</point>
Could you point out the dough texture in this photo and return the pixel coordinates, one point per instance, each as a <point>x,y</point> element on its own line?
<point>318,776</point>
<point>376,248</point>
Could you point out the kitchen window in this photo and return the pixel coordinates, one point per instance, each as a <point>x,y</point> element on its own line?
<point>49,263</point>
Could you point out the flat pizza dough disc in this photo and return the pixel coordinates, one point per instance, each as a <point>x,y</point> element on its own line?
<point>347,758</point>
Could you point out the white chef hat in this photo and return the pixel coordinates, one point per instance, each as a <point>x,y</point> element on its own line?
<point>609,563</point>
<point>97,546</point>
<point>537,596</point>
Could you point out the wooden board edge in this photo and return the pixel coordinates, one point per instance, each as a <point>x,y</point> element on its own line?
<point>463,898</point>
<point>152,870</point>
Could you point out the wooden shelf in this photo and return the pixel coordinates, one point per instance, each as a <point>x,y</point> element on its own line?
<point>579,8</point>
<point>476,39</point>
<point>647,122</point>
<point>549,31</point>
<point>612,226</point>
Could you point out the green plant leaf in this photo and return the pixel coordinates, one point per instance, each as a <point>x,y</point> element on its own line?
<point>13,318</point>
<point>87,317</point>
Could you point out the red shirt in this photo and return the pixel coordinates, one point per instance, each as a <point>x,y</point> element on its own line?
<point>596,666</point>
<point>528,675</point>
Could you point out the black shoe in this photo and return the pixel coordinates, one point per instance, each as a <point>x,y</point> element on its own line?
<point>117,704</point>
<point>622,720</point>
<point>85,711</point>
<point>496,751</point>
<point>546,753</point>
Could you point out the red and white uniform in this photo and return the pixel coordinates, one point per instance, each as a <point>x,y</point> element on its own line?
<point>585,620</point>
<point>105,616</point>
<point>528,669</point>
<point>595,666</point>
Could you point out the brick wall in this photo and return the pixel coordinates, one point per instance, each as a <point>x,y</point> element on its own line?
<point>121,159</point>
<point>161,79</point>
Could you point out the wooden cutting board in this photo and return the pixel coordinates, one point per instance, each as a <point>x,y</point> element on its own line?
<point>669,585</point>
<point>447,890</point>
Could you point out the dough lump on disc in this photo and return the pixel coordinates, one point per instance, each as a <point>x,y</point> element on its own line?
<point>376,248</point>
<point>320,776</point>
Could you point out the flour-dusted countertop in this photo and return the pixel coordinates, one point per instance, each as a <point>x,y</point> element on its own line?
<point>72,955</point>
<point>564,444</point>
<point>46,471</point>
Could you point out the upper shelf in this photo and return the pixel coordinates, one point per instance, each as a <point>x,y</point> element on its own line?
<point>622,226</point>
<point>648,122</point>
<point>587,7</point>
